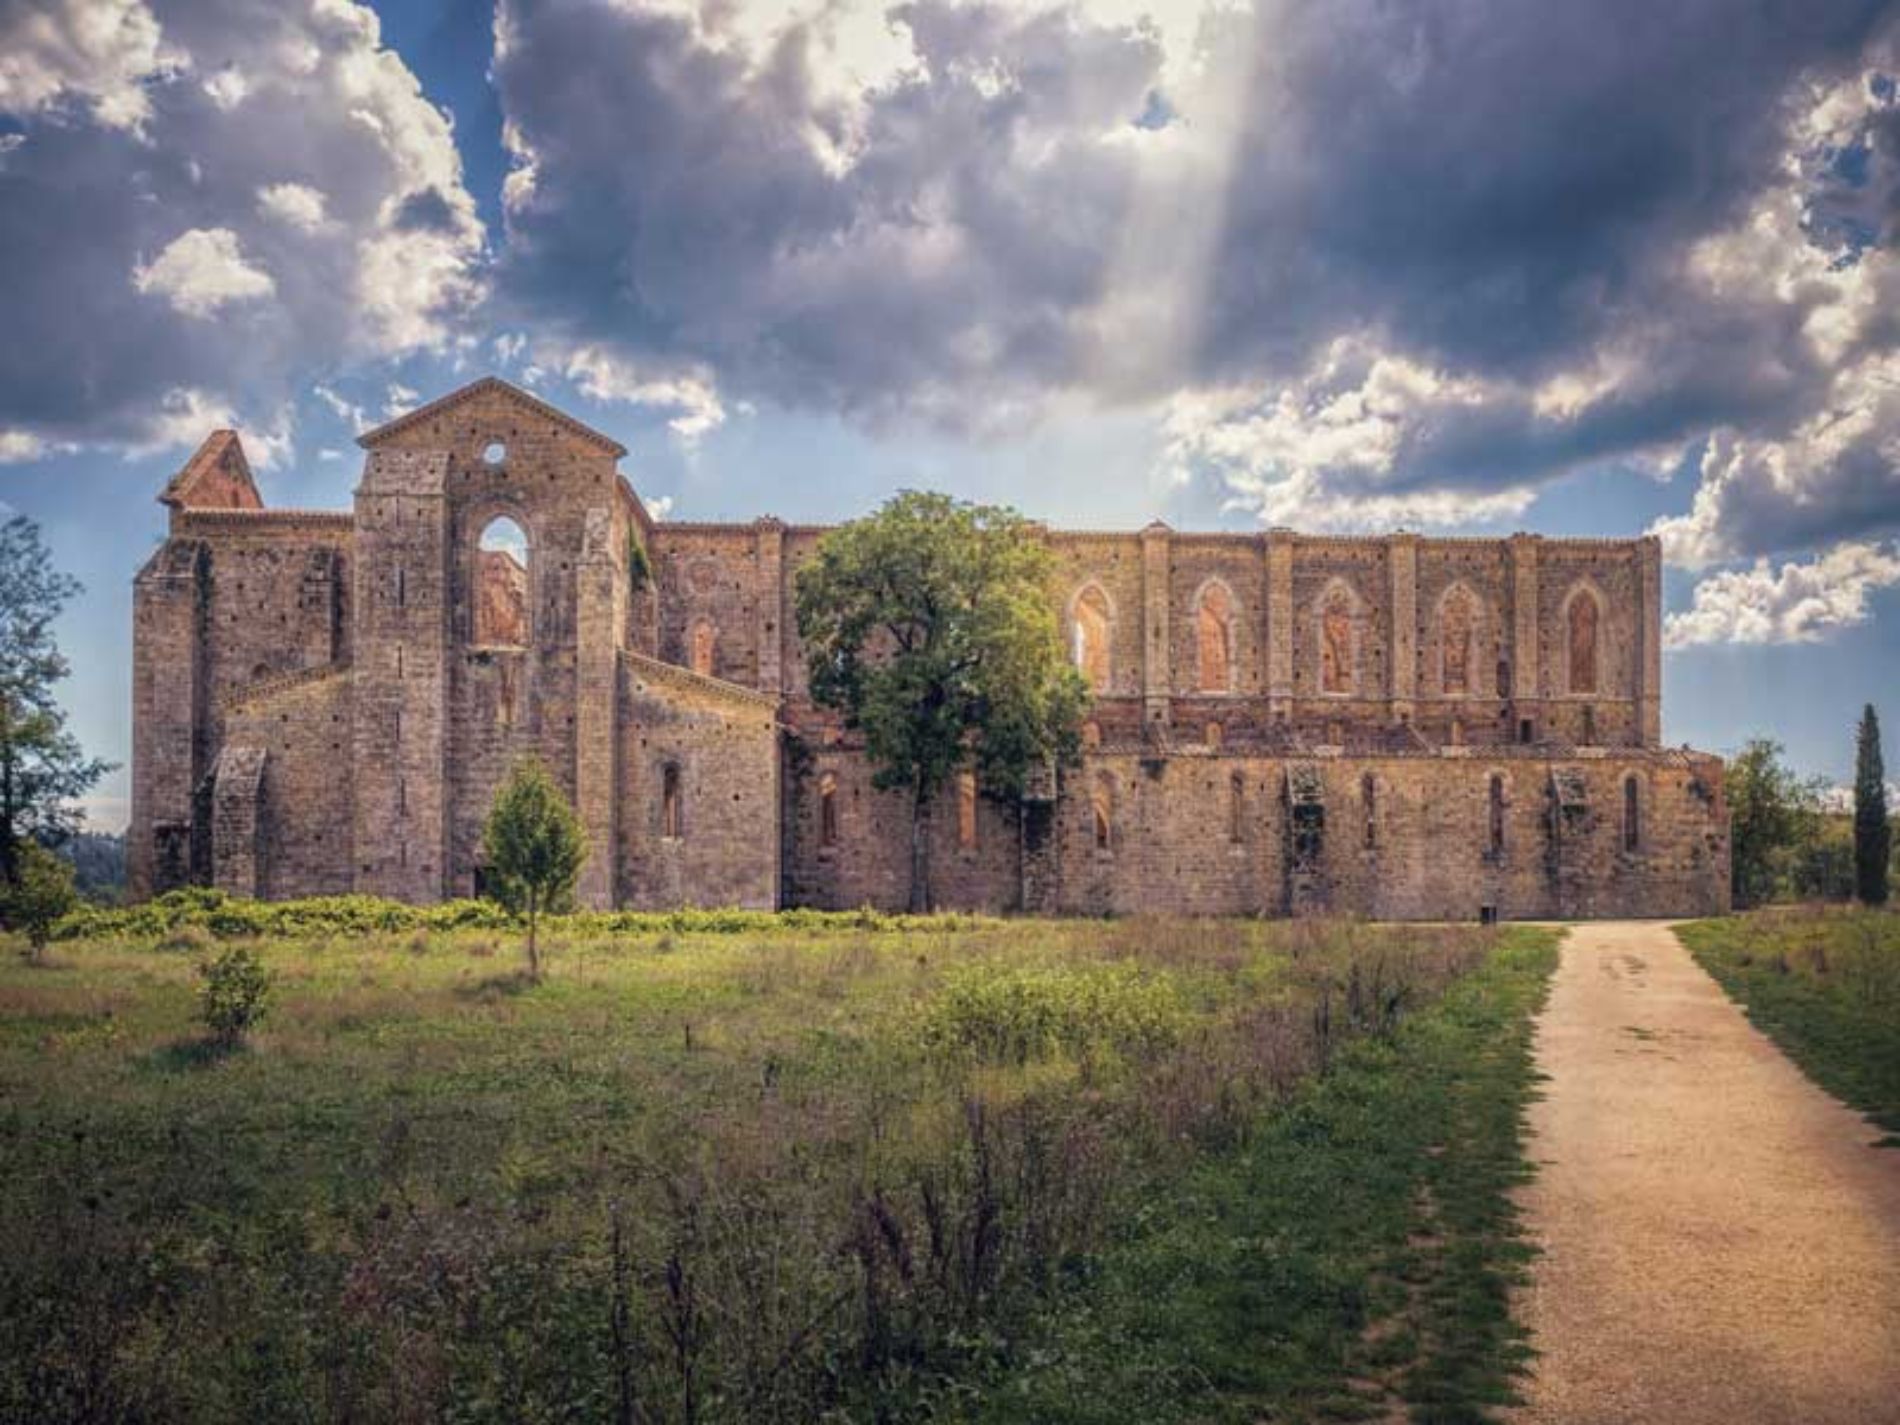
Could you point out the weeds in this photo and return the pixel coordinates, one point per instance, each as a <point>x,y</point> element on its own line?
<point>817,1170</point>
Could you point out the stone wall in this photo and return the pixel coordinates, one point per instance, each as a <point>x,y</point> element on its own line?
<point>1285,723</point>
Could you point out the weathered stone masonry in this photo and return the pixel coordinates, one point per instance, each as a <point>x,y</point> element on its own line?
<point>1399,727</point>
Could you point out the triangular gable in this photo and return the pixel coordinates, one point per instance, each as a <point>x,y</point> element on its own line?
<point>490,384</point>
<point>217,477</point>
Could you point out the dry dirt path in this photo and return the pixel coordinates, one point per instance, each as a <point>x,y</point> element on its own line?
<point>1721,1244</point>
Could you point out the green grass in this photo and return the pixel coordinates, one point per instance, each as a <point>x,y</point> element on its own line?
<point>1358,1252</point>
<point>756,1169</point>
<point>1824,984</point>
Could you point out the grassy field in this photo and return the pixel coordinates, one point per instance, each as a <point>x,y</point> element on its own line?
<point>1824,983</point>
<point>826,1168</point>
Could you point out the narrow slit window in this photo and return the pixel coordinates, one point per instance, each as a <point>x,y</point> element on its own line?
<point>1632,815</point>
<point>1497,815</point>
<point>828,810</point>
<point>672,825</point>
<point>966,810</point>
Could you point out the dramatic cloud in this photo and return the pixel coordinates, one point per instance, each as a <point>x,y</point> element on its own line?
<point>201,271</point>
<point>211,202</point>
<point>1797,603</point>
<point>1366,263</point>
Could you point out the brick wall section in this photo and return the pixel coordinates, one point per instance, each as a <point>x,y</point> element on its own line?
<point>340,649</point>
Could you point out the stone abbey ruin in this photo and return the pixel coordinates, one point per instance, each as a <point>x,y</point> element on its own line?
<point>1402,727</point>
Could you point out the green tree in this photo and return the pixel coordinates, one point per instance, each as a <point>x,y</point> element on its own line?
<point>1772,814</point>
<point>1873,832</point>
<point>41,892</point>
<point>42,768</point>
<point>930,625</point>
<point>534,847</point>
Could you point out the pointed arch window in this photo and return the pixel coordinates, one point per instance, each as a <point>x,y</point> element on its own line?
<point>1214,639</point>
<point>672,807</point>
<point>1102,814</point>
<point>1336,662</point>
<point>828,810</point>
<point>501,586</point>
<point>702,646</point>
<point>1496,808</point>
<point>1369,799</point>
<point>966,810</point>
<point>1632,815</point>
<point>1583,620</point>
<point>1236,809</point>
<point>1091,637</point>
<point>1457,637</point>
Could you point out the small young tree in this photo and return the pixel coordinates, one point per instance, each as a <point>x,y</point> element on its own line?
<point>534,847</point>
<point>233,995</point>
<point>1772,814</point>
<point>1873,832</point>
<point>929,625</point>
<point>42,892</point>
<point>42,768</point>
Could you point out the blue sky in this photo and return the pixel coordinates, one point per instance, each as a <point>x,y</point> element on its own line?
<point>1597,269</point>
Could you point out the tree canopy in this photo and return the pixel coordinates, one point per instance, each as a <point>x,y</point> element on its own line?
<point>1772,812</point>
<point>534,846</point>
<point>42,767</point>
<point>929,624</point>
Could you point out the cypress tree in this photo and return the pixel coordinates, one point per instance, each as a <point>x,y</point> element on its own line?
<point>1873,833</point>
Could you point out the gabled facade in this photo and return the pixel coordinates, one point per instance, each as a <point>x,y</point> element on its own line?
<point>1398,727</point>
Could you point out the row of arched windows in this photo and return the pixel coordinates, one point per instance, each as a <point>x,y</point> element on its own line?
<point>1336,623</point>
<point>828,833</point>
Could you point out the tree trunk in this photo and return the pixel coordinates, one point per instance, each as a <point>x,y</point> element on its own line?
<point>920,850</point>
<point>534,954</point>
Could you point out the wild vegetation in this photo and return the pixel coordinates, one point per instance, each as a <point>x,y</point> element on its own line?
<point>750,1168</point>
<point>1824,983</point>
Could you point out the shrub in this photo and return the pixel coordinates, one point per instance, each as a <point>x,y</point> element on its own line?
<point>39,897</point>
<point>233,996</point>
<point>1012,1014</point>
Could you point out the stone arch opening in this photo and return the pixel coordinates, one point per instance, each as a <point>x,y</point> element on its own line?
<point>1583,620</point>
<point>1632,814</point>
<point>702,645</point>
<point>828,810</point>
<point>1336,635</point>
<point>966,810</point>
<point>1102,810</point>
<point>672,803</point>
<point>1214,638</point>
<point>1460,619</point>
<point>1092,619</point>
<point>1494,797</point>
<point>501,585</point>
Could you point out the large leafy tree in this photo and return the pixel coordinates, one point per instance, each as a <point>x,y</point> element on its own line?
<point>42,767</point>
<point>1873,833</point>
<point>534,847</point>
<point>1773,813</point>
<point>930,625</point>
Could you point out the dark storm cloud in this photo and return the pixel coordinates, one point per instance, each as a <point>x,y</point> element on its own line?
<point>192,226</point>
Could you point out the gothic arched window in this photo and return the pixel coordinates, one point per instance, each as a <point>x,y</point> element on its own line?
<point>672,811</point>
<point>1583,620</point>
<point>828,809</point>
<point>1457,633</point>
<point>966,810</point>
<point>1632,815</point>
<point>1102,810</point>
<point>704,642</point>
<point>1091,637</point>
<point>501,586</point>
<point>1214,639</point>
<point>1496,836</point>
<point>1335,642</point>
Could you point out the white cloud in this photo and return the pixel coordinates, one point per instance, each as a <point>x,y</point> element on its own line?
<point>349,411</point>
<point>18,446</point>
<point>690,394</point>
<point>326,209</point>
<point>1795,603</point>
<point>1329,451</point>
<point>658,506</point>
<point>185,416</point>
<point>399,400</point>
<point>228,87</point>
<point>298,204</point>
<point>101,52</point>
<point>202,270</point>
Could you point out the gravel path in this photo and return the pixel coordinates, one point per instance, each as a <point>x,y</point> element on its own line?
<point>1721,1243</point>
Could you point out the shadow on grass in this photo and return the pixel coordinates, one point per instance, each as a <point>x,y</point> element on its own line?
<point>183,1056</point>
<point>496,987</point>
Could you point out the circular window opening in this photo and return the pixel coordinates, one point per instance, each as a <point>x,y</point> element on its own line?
<point>494,453</point>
